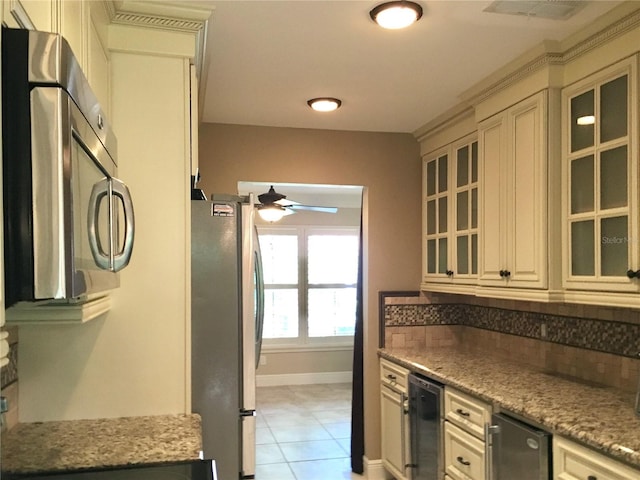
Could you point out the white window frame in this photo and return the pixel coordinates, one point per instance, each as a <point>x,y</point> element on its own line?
<point>303,341</point>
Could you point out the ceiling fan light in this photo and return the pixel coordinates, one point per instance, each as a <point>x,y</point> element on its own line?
<point>271,213</point>
<point>324,104</point>
<point>396,15</point>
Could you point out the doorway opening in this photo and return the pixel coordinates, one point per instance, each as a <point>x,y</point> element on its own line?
<point>305,390</point>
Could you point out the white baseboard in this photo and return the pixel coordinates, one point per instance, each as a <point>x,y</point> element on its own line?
<point>303,378</point>
<point>373,470</point>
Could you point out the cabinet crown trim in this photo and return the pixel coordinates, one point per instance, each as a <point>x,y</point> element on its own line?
<point>548,54</point>
<point>145,20</point>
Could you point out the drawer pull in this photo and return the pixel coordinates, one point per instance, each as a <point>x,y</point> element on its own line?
<point>462,412</point>
<point>466,463</point>
<point>592,477</point>
<point>391,377</point>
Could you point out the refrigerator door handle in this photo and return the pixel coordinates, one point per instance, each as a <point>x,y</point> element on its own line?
<point>259,295</point>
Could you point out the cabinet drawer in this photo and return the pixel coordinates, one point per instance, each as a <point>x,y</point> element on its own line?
<point>466,412</point>
<point>394,375</point>
<point>575,462</point>
<point>464,454</point>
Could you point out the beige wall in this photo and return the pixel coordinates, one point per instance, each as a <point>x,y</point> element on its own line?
<point>296,362</point>
<point>388,165</point>
<point>133,360</point>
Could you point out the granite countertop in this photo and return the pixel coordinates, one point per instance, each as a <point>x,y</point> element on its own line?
<point>105,442</point>
<point>596,416</point>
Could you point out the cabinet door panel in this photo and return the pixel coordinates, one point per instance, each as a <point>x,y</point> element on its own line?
<point>600,169</point>
<point>450,209</point>
<point>393,437</point>
<point>464,454</point>
<point>71,27</point>
<point>31,14</point>
<point>491,144</point>
<point>98,70</point>
<point>528,215</point>
<point>513,147</point>
<point>575,462</point>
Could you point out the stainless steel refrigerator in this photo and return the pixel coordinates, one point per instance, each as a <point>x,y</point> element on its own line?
<point>226,329</point>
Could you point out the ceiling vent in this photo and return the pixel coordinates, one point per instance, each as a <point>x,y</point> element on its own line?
<point>551,9</point>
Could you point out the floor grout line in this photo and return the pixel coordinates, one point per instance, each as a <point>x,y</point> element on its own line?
<point>314,402</point>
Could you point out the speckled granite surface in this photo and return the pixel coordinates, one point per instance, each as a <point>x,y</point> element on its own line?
<point>599,417</point>
<point>112,442</point>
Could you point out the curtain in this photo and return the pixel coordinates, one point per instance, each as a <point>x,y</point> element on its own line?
<point>357,390</point>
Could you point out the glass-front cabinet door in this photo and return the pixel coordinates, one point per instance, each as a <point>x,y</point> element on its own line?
<point>600,181</point>
<point>465,247</point>
<point>436,215</point>
<point>450,191</point>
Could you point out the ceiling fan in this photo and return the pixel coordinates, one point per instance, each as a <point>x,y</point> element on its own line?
<point>273,206</point>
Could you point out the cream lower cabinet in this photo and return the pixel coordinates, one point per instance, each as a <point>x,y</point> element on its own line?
<point>513,192</point>
<point>575,462</point>
<point>465,452</point>
<point>394,420</point>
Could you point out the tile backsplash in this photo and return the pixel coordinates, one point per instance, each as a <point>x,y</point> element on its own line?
<point>597,344</point>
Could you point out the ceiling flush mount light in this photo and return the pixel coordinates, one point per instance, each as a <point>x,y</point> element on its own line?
<point>395,15</point>
<point>272,212</point>
<point>324,104</point>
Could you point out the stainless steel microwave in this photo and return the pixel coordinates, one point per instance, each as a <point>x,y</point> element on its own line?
<point>68,220</point>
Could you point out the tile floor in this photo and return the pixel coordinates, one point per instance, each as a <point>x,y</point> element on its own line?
<point>304,432</point>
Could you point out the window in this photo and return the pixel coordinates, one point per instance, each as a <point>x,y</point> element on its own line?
<point>310,279</point>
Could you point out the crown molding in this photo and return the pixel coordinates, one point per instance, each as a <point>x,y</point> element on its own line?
<point>442,122</point>
<point>605,35</point>
<point>175,15</point>
<point>547,55</point>
<point>157,21</point>
<point>163,15</point>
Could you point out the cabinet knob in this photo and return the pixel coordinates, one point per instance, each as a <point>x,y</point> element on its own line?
<point>505,273</point>
<point>633,273</point>
<point>592,477</point>
<point>449,273</point>
<point>466,463</point>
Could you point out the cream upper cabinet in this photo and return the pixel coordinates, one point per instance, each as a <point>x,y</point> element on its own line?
<point>71,27</point>
<point>450,209</point>
<point>436,212</point>
<point>84,25</point>
<point>600,181</point>
<point>96,52</point>
<point>513,186</point>
<point>32,14</point>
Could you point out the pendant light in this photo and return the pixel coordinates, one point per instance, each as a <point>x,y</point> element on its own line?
<point>396,15</point>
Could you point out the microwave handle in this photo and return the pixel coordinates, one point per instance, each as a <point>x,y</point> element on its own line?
<point>120,190</point>
<point>98,192</point>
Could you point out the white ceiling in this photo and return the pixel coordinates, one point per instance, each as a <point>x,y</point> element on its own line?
<point>266,58</point>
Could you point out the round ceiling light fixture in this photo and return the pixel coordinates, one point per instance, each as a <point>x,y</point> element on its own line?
<point>324,104</point>
<point>272,212</point>
<point>396,15</point>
